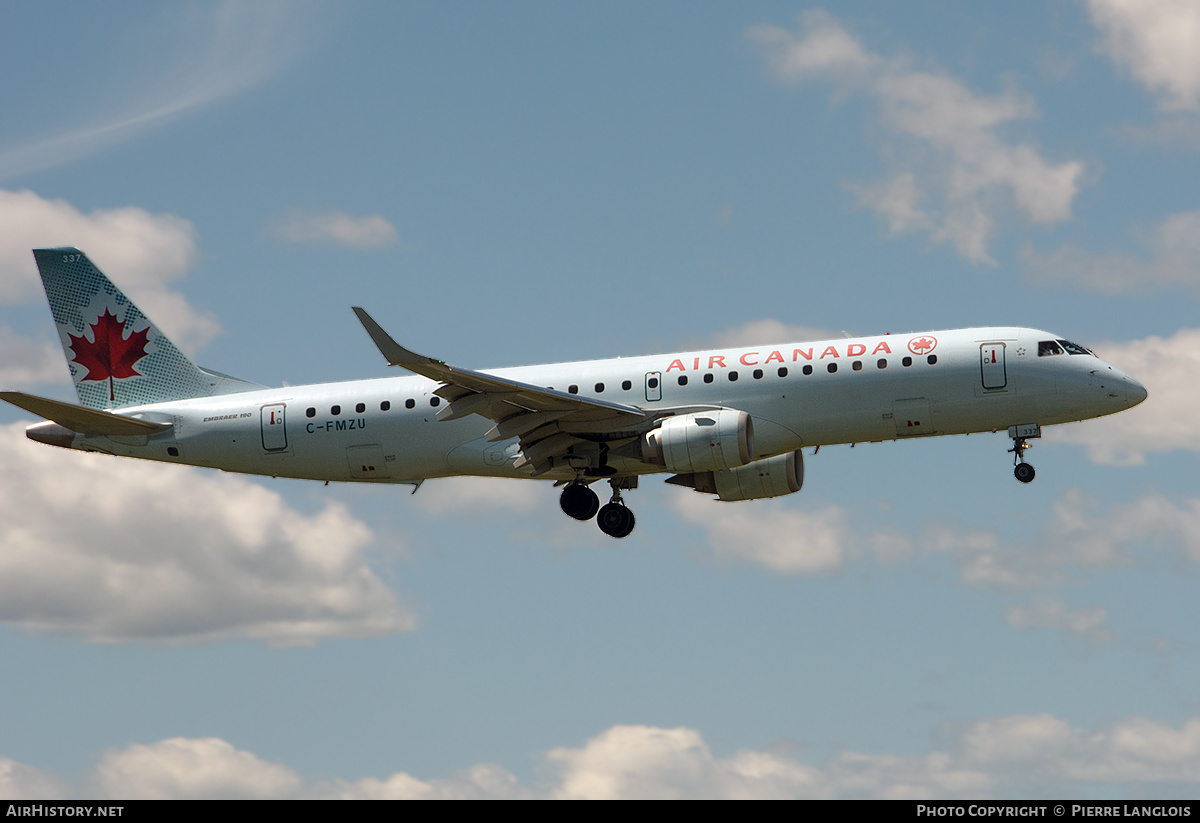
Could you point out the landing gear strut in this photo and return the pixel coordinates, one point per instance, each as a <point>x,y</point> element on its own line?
<point>1020,436</point>
<point>614,519</point>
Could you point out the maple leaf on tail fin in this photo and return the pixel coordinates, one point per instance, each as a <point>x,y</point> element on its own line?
<point>112,355</point>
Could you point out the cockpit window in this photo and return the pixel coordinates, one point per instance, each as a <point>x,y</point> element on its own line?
<point>1075,348</point>
<point>1048,347</point>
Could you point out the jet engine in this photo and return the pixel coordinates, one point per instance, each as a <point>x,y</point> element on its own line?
<point>701,441</point>
<point>772,477</point>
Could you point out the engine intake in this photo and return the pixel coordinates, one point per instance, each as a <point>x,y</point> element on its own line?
<point>701,441</point>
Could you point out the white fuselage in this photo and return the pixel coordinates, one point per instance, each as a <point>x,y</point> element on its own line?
<point>799,394</point>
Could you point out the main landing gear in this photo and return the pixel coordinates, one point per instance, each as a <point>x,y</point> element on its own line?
<point>613,518</point>
<point>1020,436</point>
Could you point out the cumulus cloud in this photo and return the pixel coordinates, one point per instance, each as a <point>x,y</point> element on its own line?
<point>770,533</point>
<point>21,782</point>
<point>483,782</point>
<point>336,228</point>
<point>116,550</point>
<point>1165,421</point>
<point>1155,41</point>
<point>28,363</point>
<point>204,769</point>
<point>956,173</point>
<point>1054,614</point>
<point>1010,756</point>
<point>480,494</point>
<point>1172,258</point>
<point>141,252</point>
<point>216,52</point>
<point>757,332</point>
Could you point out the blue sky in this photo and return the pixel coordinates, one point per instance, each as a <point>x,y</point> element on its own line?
<point>503,184</point>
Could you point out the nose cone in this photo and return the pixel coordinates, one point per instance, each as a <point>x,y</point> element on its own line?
<point>1135,392</point>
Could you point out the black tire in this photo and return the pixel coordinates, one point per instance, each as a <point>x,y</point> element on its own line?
<point>1024,472</point>
<point>615,520</point>
<point>579,501</point>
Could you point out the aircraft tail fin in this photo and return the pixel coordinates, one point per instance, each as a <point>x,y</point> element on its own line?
<point>117,356</point>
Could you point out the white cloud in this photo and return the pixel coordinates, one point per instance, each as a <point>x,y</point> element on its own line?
<point>21,782</point>
<point>337,228</point>
<point>770,533</point>
<point>215,52</point>
<point>115,550</point>
<point>1083,536</point>
<point>1165,421</point>
<point>27,363</point>
<point>1155,41</point>
<point>1172,259</point>
<point>484,495</point>
<point>1011,756</point>
<point>758,332</point>
<point>141,252</point>
<point>1054,614</point>
<point>956,174</point>
<point>205,769</point>
<point>482,782</point>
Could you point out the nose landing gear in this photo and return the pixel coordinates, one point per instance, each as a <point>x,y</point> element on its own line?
<point>1020,436</point>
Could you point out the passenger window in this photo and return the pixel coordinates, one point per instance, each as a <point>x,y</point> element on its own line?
<point>858,365</point>
<point>652,382</point>
<point>758,374</point>
<point>573,389</point>
<point>733,377</point>
<point>310,412</point>
<point>335,409</point>
<point>807,369</point>
<point>626,385</point>
<point>683,379</point>
<point>360,408</point>
<point>831,368</point>
<point>906,362</point>
<point>410,403</point>
<point>385,405</point>
<point>931,359</point>
<point>599,388</point>
<point>882,363</point>
<point>708,378</point>
<point>783,371</point>
<point>435,401</point>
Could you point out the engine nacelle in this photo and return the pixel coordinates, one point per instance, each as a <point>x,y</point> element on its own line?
<point>701,441</point>
<point>772,477</point>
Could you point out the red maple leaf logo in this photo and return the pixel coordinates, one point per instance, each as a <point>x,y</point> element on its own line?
<point>922,345</point>
<point>113,354</point>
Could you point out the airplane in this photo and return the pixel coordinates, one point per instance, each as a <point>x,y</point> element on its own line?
<point>730,422</point>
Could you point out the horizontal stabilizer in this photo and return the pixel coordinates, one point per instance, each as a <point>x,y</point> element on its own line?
<point>81,419</point>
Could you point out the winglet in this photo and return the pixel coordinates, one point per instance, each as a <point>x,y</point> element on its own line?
<point>397,355</point>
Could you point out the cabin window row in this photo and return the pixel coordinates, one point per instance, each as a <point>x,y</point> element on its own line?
<point>832,368</point>
<point>359,408</point>
<point>627,385</point>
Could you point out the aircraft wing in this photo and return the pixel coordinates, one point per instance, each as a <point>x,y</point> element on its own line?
<point>80,418</point>
<point>548,422</point>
